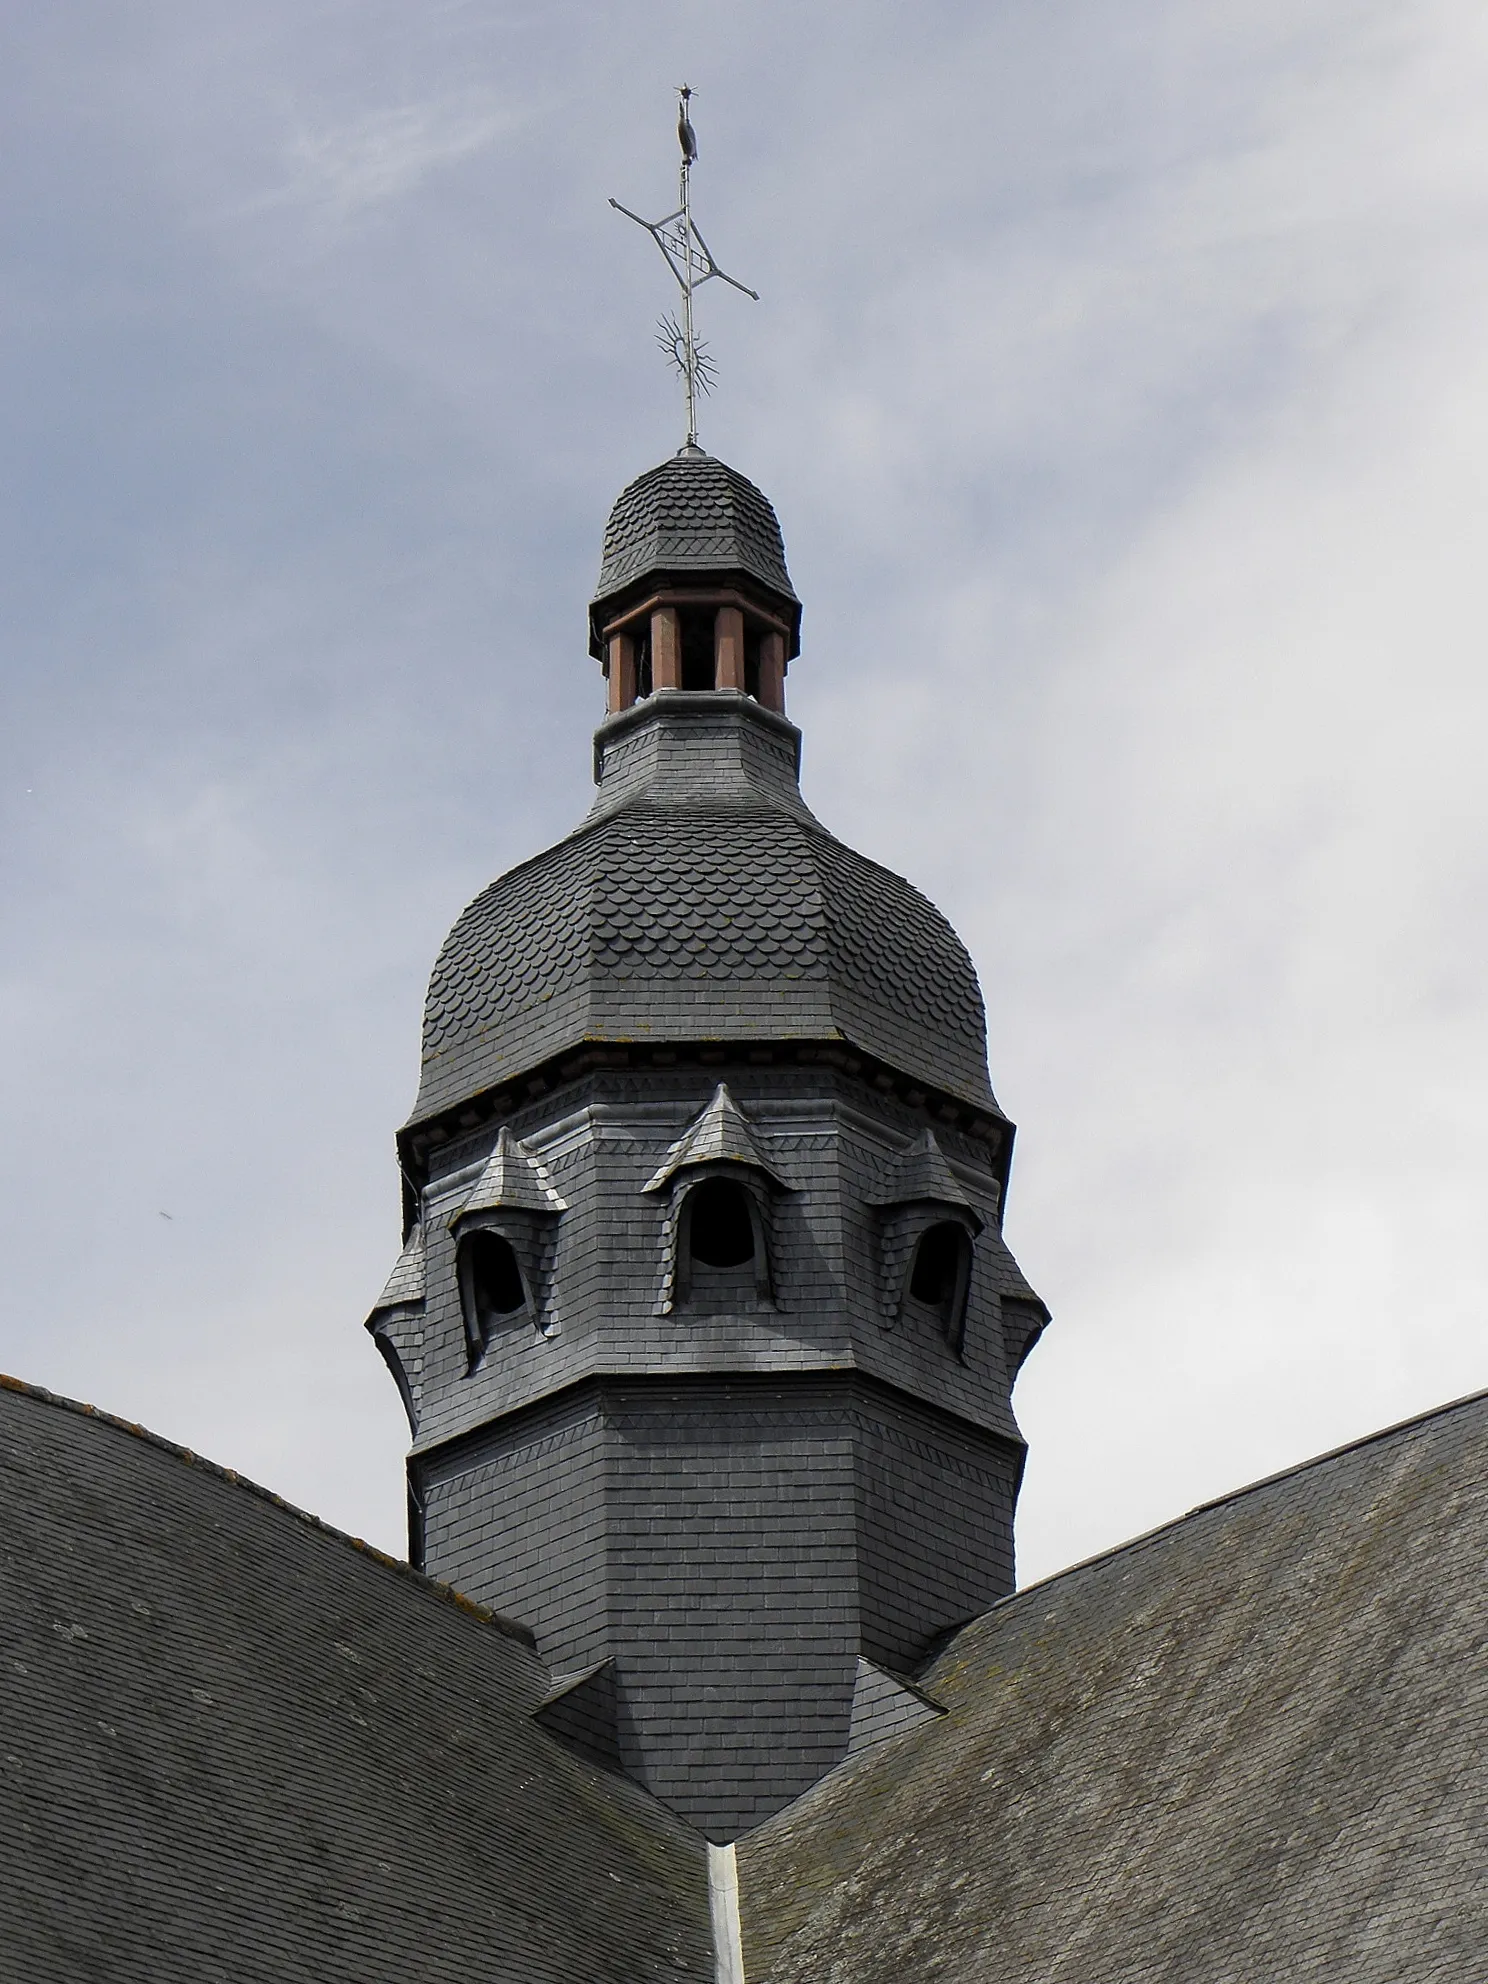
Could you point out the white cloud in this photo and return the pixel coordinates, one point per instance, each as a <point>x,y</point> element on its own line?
<point>384,155</point>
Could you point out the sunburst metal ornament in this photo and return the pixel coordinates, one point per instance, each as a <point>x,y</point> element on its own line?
<point>691,262</point>
<point>672,338</point>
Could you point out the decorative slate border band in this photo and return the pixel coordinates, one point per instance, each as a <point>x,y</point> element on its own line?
<point>613,1402</point>
<point>418,1138</point>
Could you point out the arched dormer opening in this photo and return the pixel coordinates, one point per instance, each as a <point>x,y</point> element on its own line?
<point>493,1290</point>
<point>928,1232</point>
<point>722,1260</point>
<point>715,1236</point>
<point>505,1234</point>
<point>940,1276</point>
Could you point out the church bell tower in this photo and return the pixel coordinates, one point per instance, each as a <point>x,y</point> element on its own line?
<point>704,1321</point>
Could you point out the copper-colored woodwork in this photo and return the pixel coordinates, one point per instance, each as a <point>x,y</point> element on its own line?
<point>707,596</point>
<point>728,648</point>
<point>666,648</point>
<point>772,672</point>
<point>622,672</point>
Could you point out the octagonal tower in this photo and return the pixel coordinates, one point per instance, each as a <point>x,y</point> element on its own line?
<point>704,1321</point>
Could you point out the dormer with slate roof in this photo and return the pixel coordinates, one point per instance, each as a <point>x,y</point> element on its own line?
<point>719,1187</point>
<point>504,1236</point>
<point>397,1322</point>
<point>930,1227</point>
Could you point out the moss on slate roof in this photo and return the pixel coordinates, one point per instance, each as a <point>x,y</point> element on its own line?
<point>233,1746</point>
<point>1249,1747</point>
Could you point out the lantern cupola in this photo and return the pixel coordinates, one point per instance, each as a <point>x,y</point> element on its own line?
<point>693,592</point>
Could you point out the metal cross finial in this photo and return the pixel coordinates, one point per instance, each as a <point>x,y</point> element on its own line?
<point>691,262</point>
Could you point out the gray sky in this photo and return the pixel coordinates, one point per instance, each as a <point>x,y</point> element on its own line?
<point>1121,380</point>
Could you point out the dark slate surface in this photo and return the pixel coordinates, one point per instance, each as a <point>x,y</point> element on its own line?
<point>836,1144</point>
<point>1250,1746</point>
<point>692,514</point>
<point>731,1546</point>
<point>700,901</point>
<point>730,1507</point>
<point>235,1746</point>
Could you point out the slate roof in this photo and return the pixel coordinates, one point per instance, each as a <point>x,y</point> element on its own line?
<point>922,1174</point>
<point>701,901</point>
<point>691,515</point>
<point>234,1745</point>
<point>721,1135</point>
<point>1251,1745</point>
<point>512,1180</point>
<point>406,1283</point>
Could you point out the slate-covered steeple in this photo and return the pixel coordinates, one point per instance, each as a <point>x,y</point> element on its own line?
<point>705,1323</point>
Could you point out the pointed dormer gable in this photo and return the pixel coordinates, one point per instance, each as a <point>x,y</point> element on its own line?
<point>512,1181</point>
<point>396,1322</point>
<point>405,1285</point>
<point>721,1135</point>
<point>923,1177</point>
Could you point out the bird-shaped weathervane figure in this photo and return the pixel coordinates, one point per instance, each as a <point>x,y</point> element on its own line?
<point>691,262</point>
<point>686,136</point>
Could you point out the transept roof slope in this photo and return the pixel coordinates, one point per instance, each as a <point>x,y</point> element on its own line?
<point>236,1746</point>
<point>1248,1745</point>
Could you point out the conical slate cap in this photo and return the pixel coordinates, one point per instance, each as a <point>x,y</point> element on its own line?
<point>720,1135</point>
<point>405,1285</point>
<point>923,1174</point>
<point>692,516</point>
<point>513,1181</point>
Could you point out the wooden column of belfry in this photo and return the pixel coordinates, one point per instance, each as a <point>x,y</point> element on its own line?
<point>728,649</point>
<point>622,672</point>
<point>772,671</point>
<point>666,648</point>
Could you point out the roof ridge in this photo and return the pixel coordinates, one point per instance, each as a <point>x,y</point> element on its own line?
<point>511,1628</point>
<point>1218,1502</point>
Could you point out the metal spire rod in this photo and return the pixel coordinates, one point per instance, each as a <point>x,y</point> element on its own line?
<point>687,139</point>
<point>691,262</point>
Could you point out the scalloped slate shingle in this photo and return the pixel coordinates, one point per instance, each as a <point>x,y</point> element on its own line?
<point>672,917</point>
<point>692,514</point>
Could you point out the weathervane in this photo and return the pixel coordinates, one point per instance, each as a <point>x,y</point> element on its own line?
<point>691,262</point>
